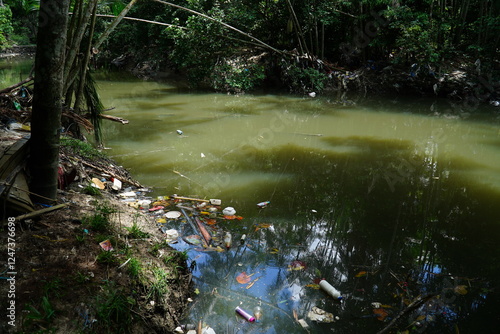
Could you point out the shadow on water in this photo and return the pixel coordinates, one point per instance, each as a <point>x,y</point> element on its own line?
<point>387,199</point>
<point>378,233</point>
<point>387,207</point>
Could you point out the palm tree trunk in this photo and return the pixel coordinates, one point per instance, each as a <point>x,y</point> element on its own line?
<point>47,100</point>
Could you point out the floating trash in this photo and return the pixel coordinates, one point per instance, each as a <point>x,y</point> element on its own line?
<point>229,211</point>
<point>319,315</point>
<point>244,314</point>
<point>263,205</point>
<point>173,214</point>
<point>193,239</point>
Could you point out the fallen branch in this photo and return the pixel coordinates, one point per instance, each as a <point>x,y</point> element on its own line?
<point>109,172</point>
<point>115,119</point>
<point>41,211</point>
<point>10,88</point>
<point>191,199</point>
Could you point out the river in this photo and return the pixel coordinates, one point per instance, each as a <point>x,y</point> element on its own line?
<point>387,198</point>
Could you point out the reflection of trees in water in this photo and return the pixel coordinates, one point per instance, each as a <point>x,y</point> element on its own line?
<point>415,238</point>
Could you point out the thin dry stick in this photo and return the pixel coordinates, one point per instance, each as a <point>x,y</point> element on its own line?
<point>413,305</point>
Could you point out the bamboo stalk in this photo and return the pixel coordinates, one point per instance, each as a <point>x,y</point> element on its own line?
<point>41,212</point>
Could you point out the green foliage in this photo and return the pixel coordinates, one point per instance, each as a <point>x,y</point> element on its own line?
<point>24,20</point>
<point>99,220</point>
<point>419,36</point>
<point>303,79</point>
<point>113,310</point>
<point>107,257</point>
<point>81,148</point>
<point>135,232</point>
<point>237,75</point>
<point>43,314</point>
<point>134,267</point>
<point>159,284</point>
<point>91,190</point>
<point>5,26</point>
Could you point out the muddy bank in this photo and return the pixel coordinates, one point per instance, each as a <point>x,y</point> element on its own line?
<point>462,79</point>
<point>95,264</point>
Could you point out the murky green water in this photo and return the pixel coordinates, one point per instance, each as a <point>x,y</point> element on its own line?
<point>387,199</point>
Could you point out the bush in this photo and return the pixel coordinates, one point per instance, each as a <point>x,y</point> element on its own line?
<point>303,79</point>
<point>5,26</point>
<point>237,75</point>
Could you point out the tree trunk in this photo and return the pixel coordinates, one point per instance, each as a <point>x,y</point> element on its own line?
<point>47,99</point>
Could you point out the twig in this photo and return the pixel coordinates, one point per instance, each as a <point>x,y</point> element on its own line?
<point>413,305</point>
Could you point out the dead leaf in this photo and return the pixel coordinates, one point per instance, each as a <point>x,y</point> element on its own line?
<point>211,221</point>
<point>380,313</point>
<point>243,278</point>
<point>262,225</point>
<point>361,274</point>
<point>461,289</point>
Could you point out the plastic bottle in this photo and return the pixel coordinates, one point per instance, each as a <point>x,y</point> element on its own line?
<point>227,240</point>
<point>257,312</point>
<point>244,314</point>
<point>330,289</point>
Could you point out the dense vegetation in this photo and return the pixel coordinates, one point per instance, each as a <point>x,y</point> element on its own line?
<point>299,43</point>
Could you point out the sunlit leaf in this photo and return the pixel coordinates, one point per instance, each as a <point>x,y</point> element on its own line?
<point>211,221</point>
<point>243,278</point>
<point>262,225</point>
<point>361,274</point>
<point>421,317</point>
<point>273,250</point>
<point>314,286</point>
<point>461,289</point>
<point>197,291</point>
<point>380,313</point>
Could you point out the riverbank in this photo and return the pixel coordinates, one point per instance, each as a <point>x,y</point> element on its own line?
<point>95,264</point>
<point>461,80</point>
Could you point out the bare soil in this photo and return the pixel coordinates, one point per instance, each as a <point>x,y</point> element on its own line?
<point>65,284</point>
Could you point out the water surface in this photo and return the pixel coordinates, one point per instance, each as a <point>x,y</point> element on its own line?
<point>385,198</point>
